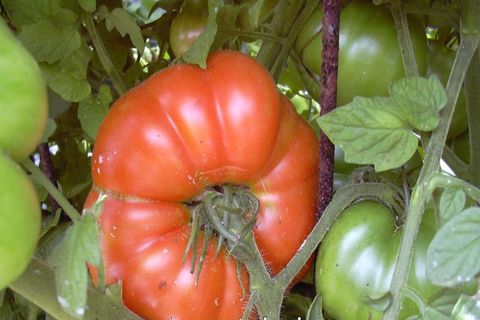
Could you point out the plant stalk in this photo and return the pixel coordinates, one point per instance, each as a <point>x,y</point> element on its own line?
<point>421,193</point>
<point>472,83</point>
<point>40,177</point>
<point>328,99</point>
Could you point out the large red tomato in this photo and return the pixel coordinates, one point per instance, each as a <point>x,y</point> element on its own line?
<point>168,139</point>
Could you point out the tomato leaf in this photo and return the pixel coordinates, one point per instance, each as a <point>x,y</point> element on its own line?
<point>371,131</point>
<point>54,38</point>
<point>88,5</point>
<point>80,245</point>
<point>440,306</point>
<point>467,307</point>
<point>68,77</point>
<point>124,23</point>
<point>452,202</point>
<point>452,257</point>
<point>24,12</point>
<point>419,100</point>
<point>198,52</point>
<point>315,310</point>
<point>93,110</point>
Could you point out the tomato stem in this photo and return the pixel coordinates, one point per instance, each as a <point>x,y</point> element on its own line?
<point>443,181</point>
<point>405,41</point>
<point>455,163</point>
<point>328,99</point>
<point>421,193</point>
<point>344,196</point>
<point>311,85</point>
<point>472,83</point>
<point>41,179</point>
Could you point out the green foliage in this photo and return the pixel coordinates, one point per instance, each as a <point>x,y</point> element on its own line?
<point>79,246</point>
<point>68,77</point>
<point>451,203</point>
<point>87,67</point>
<point>93,110</point>
<point>466,308</point>
<point>197,54</point>
<point>315,310</point>
<point>451,257</point>
<point>378,130</point>
<point>124,23</point>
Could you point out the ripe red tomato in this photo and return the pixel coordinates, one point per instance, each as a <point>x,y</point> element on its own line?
<point>162,144</point>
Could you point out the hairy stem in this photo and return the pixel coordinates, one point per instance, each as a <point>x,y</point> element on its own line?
<point>328,99</point>
<point>41,179</point>
<point>421,194</point>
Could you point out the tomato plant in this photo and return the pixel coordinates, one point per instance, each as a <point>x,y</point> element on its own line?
<point>369,54</point>
<point>19,221</point>
<point>205,180</point>
<point>23,98</point>
<point>460,146</point>
<point>356,260</point>
<point>440,61</point>
<point>188,25</point>
<point>162,144</point>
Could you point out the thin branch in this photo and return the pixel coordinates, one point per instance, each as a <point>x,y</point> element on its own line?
<point>328,99</point>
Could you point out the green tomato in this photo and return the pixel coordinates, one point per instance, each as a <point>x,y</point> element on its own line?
<point>188,25</point>
<point>369,54</point>
<point>23,98</point>
<point>357,257</point>
<point>291,78</point>
<point>440,61</point>
<point>19,221</point>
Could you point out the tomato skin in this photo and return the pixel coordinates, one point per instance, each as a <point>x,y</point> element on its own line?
<point>19,221</point>
<point>23,98</point>
<point>162,143</point>
<point>357,257</point>
<point>369,56</point>
<point>188,25</point>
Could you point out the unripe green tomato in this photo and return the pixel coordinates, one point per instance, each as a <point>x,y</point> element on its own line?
<point>19,221</point>
<point>440,61</point>
<point>357,258</point>
<point>188,25</point>
<point>369,54</point>
<point>23,98</point>
<point>291,78</point>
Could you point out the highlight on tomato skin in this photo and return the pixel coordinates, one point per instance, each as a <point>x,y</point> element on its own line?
<point>170,140</point>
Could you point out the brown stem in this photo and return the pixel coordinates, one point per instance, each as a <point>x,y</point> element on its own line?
<point>46,165</point>
<point>328,99</point>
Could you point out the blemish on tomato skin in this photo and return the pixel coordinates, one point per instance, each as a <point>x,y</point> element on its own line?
<point>162,285</point>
